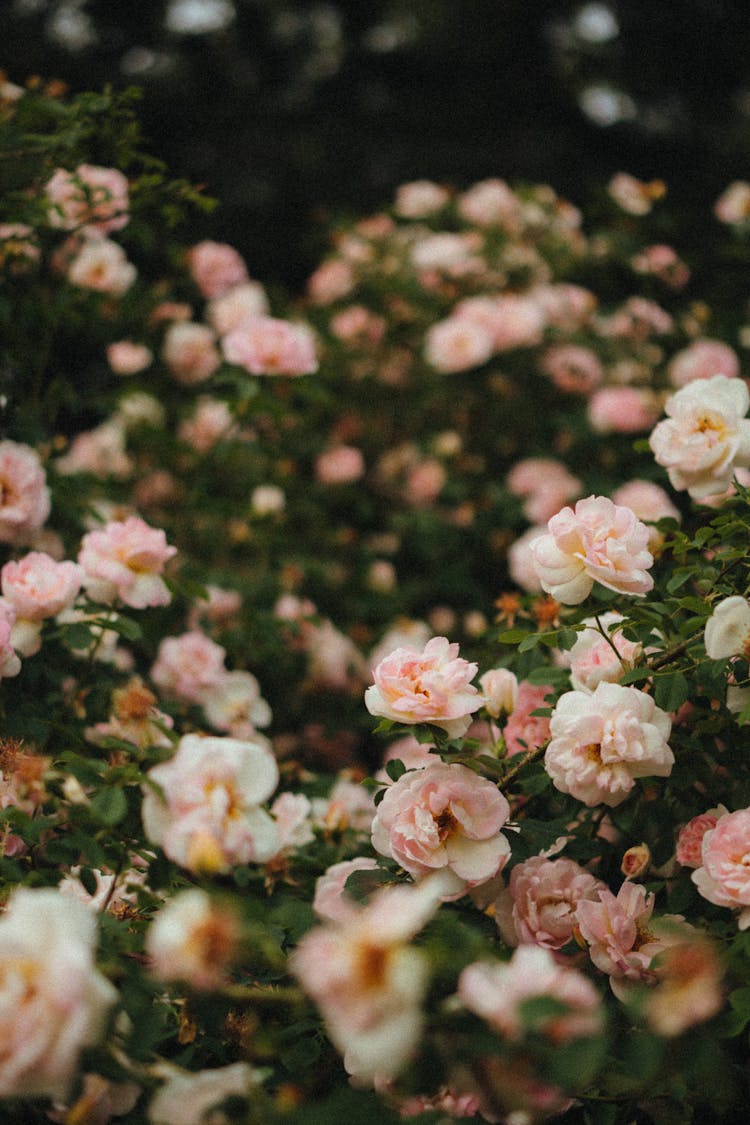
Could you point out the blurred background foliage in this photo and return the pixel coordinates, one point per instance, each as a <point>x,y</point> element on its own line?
<point>293,112</point>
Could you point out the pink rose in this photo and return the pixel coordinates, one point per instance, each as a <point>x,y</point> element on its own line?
<point>457,345</point>
<point>733,205</point>
<point>705,436</point>
<point>189,1098</point>
<point>572,368</point>
<point>500,691</point>
<point>622,410</point>
<point>594,658</point>
<point>597,542</point>
<point>662,261</point>
<point>420,198</point>
<point>541,901</point>
<point>491,203</point>
<point>525,731</point>
<point>545,484</point>
<point>357,325</point>
<point>617,930</point>
<point>635,196</point>
<point>341,465</point>
<point>512,321</point>
<point>266,345</point>
<point>432,686</point>
<point>702,359</point>
<point>234,704</point>
<point>237,305</point>
<point>24,496</point>
<point>443,816</point>
<point>332,902</point>
<point>193,939</point>
<point>102,266</point>
<point>126,357</point>
<point>724,876</point>
<point>331,281</point>
<point>690,840</point>
<point>37,586</point>
<point>209,817</point>
<point>53,1001</point>
<point>190,352</point>
<point>521,564</point>
<point>92,198</point>
<point>602,741</point>
<point>650,503</point>
<point>125,560</point>
<point>215,267</point>
<point>211,422</point>
<point>188,667</point>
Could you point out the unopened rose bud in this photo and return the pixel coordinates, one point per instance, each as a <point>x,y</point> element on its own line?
<point>636,861</point>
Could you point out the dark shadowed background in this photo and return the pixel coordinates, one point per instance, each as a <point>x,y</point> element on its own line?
<point>291,113</point>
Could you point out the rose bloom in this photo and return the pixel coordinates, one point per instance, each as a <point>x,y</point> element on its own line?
<point>357,324</point>
<point>188,1099</point>
<point>37,586</point>
<point>126,357</point>
<point>662,261</point>
<point>525,731</point>
<point>102,266</point>
<point>497,992</point>
<point>688,988</point>
<point>101,452</point>
<point>192,938</point>
<point>267,500</point>
<point>188,667</point>
<point>432,686</point>
<point>134,718</point>
<point>457,345</point>
<point>618,931</point>
<point>512,321</point>
<point>54,1002</point>
<point>690,839</point>
<point>545,484</point>
<point>622,410</point>
<point>499,691</point>
<point>19,248</point>
<point>633,195</point>
<point>593,658</point>
<point>443,816</point>
<point>521,565</point>
<point>540,902</point>
<point>598,541</point>
<point>292,814</point>
<point>211,422</point>
<point>332,902</point>
<point>24,496</point>
<point>424,482</point>
<point>237,305</point>
<point>125,560</point>
<point>341,465</point>
<point>491,203</point>
<point>209,818</point>
<point>420,198</point>
<point>331,281</point>
<point>705,436</point>
<point>733,205</point>
<point>650,503</point>
<point>724,875</point>
<point>215,267</point>
<point>565,305</point>
<point>727,631</point>
<point>702,359</point>
<point>235,704</point>
<point>572,368</point>
<point>91,197</point>
<point>266,345</point>
<point>190,352</point>
<point>367,981</point>
<point>446,252</point>
<point>602,741</point>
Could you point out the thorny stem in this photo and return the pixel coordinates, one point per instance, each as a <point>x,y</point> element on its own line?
<point>513,772</point>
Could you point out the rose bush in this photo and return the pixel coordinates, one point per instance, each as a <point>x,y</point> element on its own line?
<point>236,527</point>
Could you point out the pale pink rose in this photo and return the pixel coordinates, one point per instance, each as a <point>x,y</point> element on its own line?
<point>594,658</point>
<point>650,503</point>
<point>102,266</point>
<point>724,875</point>
<point>209,818</point>
<point>91,198</point>
<point>424,483</point>
<point>637,319</point>
<point>443,816</point>
<point>521,565</point>
<point>705,436</point>
<point>491,203</point>
<point>622,410</point>
<point>134,718</point>
<point>212,422</point>
<point>702,359</point>
<point>603,740</point>
<point>341,465</point>
<point>564,305</point>
<point>367,981</point>
<point>332,902</point>
<point>497,991</point>
<point>420,198</point>
<point>727,631</point>
<point>193,938</point>
<point>618,932</point>
<point>171,310</point>
<point>101,452</point>
<point>457,345</point>
<point>231,309</point>
<point>512,321</point>
<point>500,691</point>
<point>235,704</point>
<point>433,686</point>
<point>54,1002</point>
<point>598,541</point>
<point>545,484</point>
<point>663,262</point>
<point>733,205</point>
<point>445,252</point>
<point>539,904</point>
<point>415,755</point>
<point>688,987</point>
<point>690,839</point>
<point>126,357</point>
<point>293,816</point>
<point>215,267</point>
<point>219,607</point>
<point>189,1099</point>
<point>37,586</point>
<point>357,324</point>
<point>348,805</point>
<point>331,281</point>
<point>266,345</point>
<point>634,196</point>
<point>188,667</point>
<point>573,368</point>
<point>523,730</point>
<point>109,890</point>
<point>404,633</point>
<point>382,577</point>
<point>24,496</point>
<point>125,561</point>
<point>190,352</point>
<point>22,778</point>
<point>267,500</point>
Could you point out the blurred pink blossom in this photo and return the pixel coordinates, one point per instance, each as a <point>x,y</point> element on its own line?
<point>190,352</point>
<point>102,266</point>
<point>622,410</point>
<point>573,368</point>
<point>125,561</point>
<point>188,667</point>
<point>215,267</point>
<point>91,198</point>
<point>24,496</point>
<point>266,345</point>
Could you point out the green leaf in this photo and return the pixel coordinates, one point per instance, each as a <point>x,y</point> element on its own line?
<point>513,636</point>
<point>671,691</point>
<point>109,806</point>
<point>126,627</point>
<point>395,769</point>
